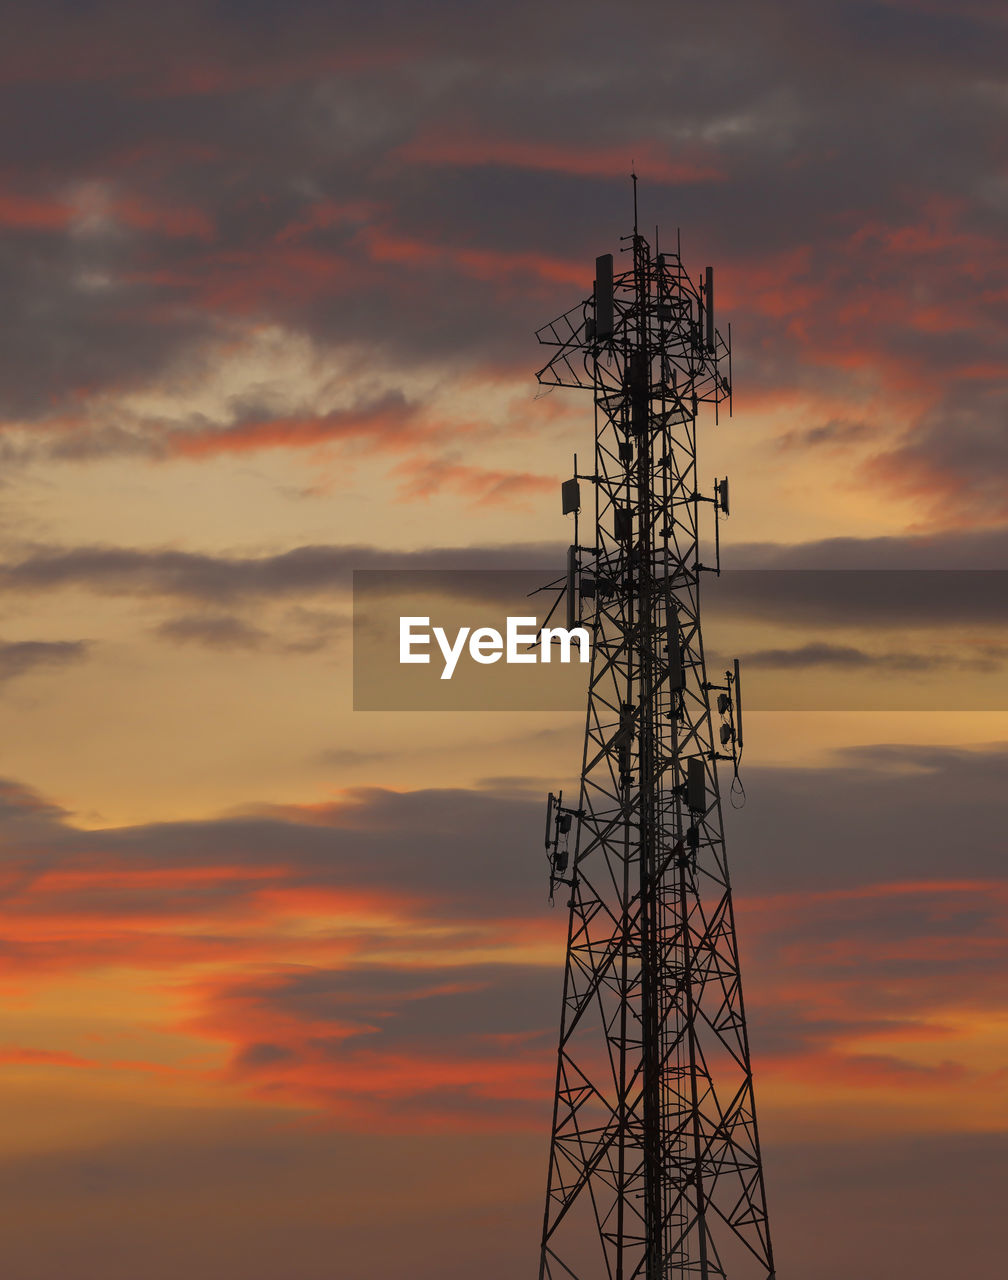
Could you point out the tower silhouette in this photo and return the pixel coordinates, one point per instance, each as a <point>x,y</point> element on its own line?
<point>654,1167</point>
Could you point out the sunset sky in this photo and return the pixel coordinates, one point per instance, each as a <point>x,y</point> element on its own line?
<point>280,983</point>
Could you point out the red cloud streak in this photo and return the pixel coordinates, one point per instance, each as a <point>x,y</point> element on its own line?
<point>268,961</point>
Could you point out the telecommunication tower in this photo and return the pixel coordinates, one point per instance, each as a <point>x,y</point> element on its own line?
<point>654,1169</point>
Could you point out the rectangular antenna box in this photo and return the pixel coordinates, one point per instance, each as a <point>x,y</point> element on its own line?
<point>570,493</point>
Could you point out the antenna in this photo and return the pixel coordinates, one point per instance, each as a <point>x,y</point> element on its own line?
<point>633,175</point>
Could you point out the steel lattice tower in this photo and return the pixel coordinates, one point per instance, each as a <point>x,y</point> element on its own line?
<point>655,1167</point>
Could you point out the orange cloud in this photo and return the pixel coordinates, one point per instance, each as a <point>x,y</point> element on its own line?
<point>651,159</point>
<point>424,477</point>
<point>323,214</point>
<point>281,1053</point>
<point>34,214</point>
<point>386,1005</point>
<point>481,264</point>
<point>180,221</point>
<point>386,424</point>
<point>39,214</point>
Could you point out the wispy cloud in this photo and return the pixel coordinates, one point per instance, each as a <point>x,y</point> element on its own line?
<point>19,657</point>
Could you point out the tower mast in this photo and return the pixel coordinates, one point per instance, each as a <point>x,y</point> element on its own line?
<point>655,1168</point>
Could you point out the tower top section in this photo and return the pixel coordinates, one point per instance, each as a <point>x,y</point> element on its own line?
<point>650,320</point>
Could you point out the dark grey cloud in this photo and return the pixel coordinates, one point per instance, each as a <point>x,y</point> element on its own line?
<point>453,852</point>
<point>874,816</point>
<point>929,811</point>
<point>823,654</point>
<point>807,586</point>
<point>300,631</point>
<point>956,454</point>
<point>19,657</point>
<point>128,569</point>
<point>422,1009</point>
<point>837,431</point>
<point>869,597</point>
<point>218,631</point>
<point>193,575</point>
<point>81,321</point>
<point>969,549</point>
<point>22,808</point>
<point>797,597</point>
